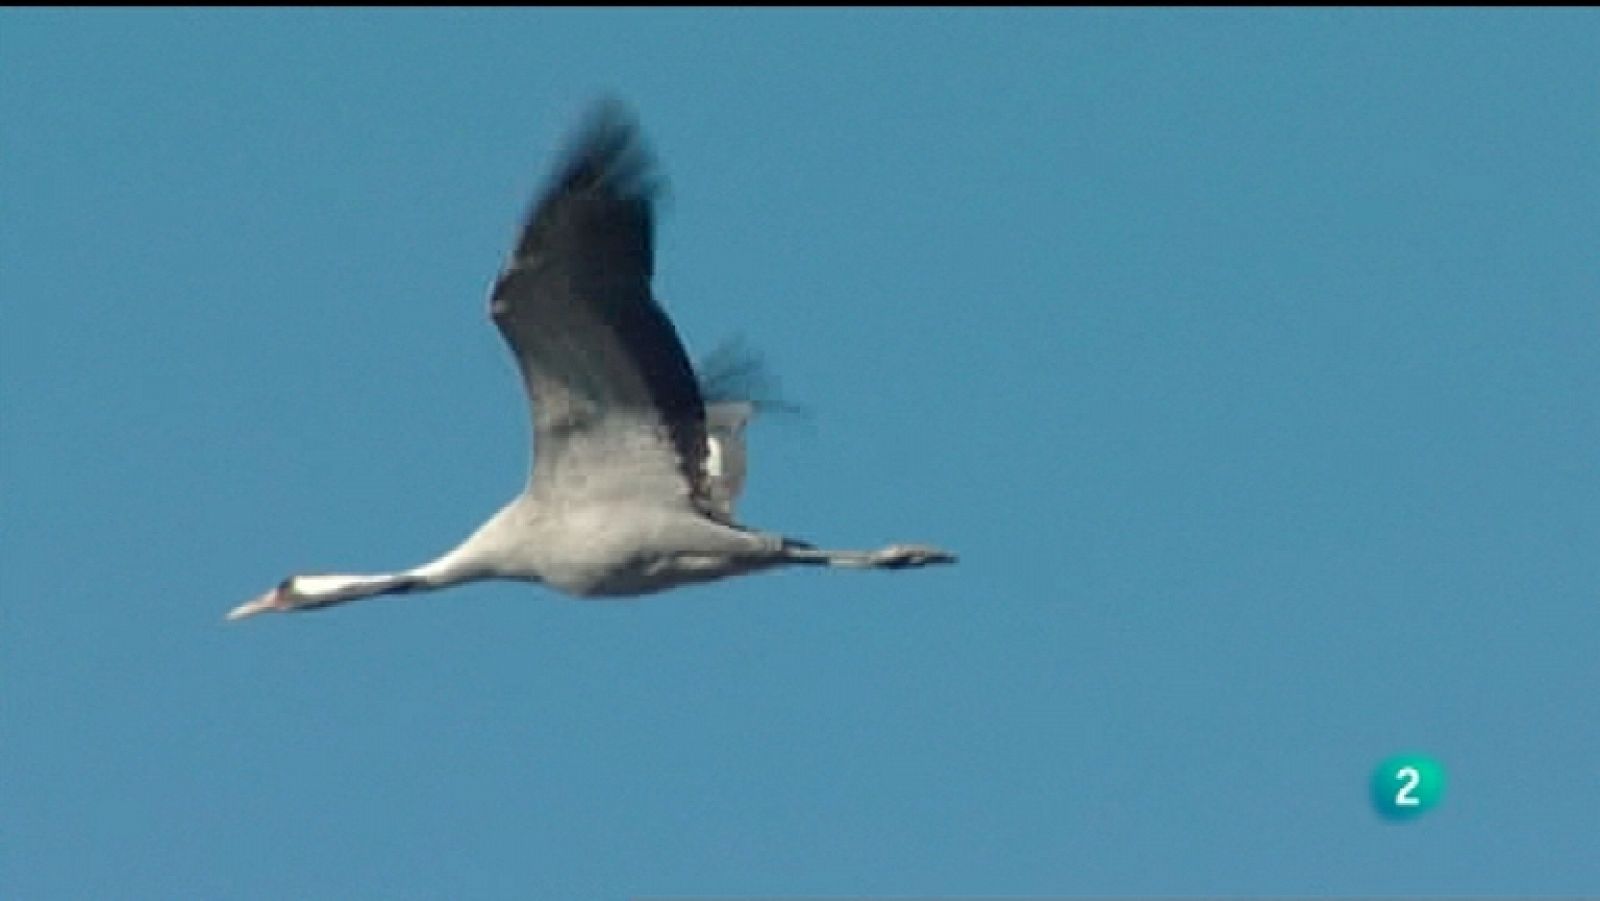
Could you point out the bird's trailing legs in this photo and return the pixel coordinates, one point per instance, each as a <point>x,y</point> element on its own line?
<point>719,550</point>
<point>895,556</point>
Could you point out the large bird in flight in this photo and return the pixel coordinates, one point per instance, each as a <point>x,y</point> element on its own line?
<point>634,473</point>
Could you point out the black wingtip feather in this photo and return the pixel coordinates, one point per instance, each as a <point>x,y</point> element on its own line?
<point>607,150</point>
<point>606,163</point>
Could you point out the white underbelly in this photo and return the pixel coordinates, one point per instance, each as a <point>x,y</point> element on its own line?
<point>626,552</point>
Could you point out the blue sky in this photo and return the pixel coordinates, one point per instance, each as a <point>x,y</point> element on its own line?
<point>1247,358</point>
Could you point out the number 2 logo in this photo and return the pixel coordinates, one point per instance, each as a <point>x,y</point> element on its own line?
<point>1406,786</point>
<point>1403,797</point>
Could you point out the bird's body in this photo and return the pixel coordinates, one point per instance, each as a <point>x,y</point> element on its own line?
<point>635,473</point>
<point>613,548</point>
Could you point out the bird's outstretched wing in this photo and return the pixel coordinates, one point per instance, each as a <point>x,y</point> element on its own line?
<point>617,411</point>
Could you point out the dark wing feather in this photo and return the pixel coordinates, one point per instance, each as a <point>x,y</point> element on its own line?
<point>600,358</point>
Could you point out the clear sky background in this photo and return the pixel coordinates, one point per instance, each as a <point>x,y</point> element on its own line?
<point>1248,359</point>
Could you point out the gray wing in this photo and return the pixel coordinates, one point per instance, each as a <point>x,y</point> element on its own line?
<point>617,411</point>
<point>726,457</point>
<point>736,386</point>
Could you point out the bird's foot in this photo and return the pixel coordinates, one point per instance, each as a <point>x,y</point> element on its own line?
<point>907,556</point>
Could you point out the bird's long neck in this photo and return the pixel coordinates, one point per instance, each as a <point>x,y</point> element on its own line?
<point>481,556</point>
<point>326,590</point>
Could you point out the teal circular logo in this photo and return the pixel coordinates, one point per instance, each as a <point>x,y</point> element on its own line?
<point>1406,786</point>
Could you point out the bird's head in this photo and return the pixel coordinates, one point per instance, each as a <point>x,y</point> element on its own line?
<point>321,590</point>
<point>285,596</point>
<point>299,592</point>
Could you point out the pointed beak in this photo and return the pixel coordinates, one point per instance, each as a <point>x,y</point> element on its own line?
<point>269,601</point>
